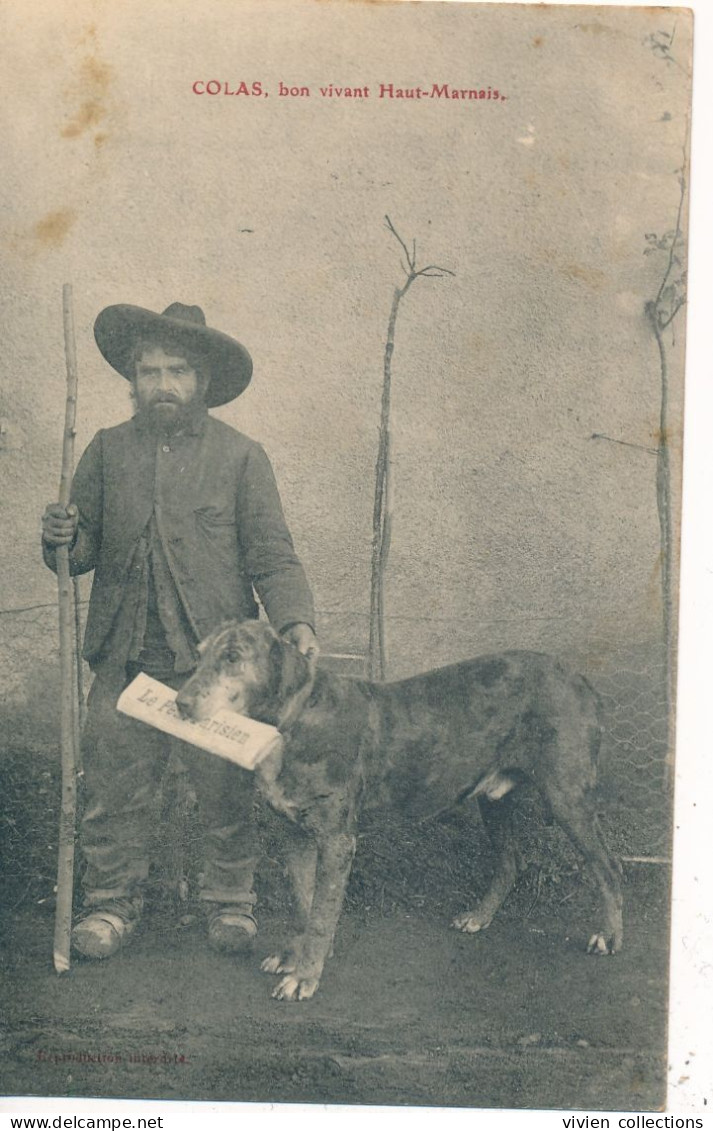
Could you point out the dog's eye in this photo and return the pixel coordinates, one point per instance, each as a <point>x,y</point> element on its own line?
<point>232,656</point>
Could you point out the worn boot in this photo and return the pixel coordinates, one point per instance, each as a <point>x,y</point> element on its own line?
<point>232,929</point>
<point>106,927</point>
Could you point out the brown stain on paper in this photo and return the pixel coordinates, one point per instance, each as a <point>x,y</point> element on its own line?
<point>652,588</point>
<point>88,94</point>
<point>596,28</point>
<point>92,87</point>
<point>667,437</point>
<point>592,276</point>
<point>52,229</point>
<point>90,36</point>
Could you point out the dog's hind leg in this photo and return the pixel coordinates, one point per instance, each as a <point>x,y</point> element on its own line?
<point>498,820</point>
<point>578,818</point>
<point>566,777</point>
<point>302,866</point>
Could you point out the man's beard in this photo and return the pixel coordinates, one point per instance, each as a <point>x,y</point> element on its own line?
<point>166,415</point>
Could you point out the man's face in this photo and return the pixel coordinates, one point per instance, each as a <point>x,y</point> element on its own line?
<point>166,388</point>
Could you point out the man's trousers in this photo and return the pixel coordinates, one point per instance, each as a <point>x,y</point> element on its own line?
<point>124,761</point>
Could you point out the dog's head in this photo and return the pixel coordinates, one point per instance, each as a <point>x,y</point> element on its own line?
<point>246,667</point>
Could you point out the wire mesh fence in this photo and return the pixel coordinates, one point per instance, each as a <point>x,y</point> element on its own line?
<point>636,764</point>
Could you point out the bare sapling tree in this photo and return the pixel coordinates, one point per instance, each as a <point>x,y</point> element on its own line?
<point>661,312</point>
<point>381,530</point>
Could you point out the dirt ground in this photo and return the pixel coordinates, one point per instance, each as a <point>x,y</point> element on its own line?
<point>409,1012</point>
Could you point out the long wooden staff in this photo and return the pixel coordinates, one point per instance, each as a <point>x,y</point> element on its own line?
<point>69,731</point>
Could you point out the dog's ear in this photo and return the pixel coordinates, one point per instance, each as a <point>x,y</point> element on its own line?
<point>295,670</point>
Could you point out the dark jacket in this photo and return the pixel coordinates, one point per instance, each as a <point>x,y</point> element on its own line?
<point>218,515</point>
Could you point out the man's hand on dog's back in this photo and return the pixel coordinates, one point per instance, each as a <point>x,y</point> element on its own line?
<point>59,525</point>
<point>304,639</point>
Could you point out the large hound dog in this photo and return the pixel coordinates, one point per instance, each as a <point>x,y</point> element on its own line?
<point>481,728</point>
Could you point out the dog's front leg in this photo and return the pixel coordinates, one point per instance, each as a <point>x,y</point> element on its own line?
<point>302,867</point>
<point>335,853</point>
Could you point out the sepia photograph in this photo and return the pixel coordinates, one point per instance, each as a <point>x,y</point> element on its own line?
<point>341,426</point>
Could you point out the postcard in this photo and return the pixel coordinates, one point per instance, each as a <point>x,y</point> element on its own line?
<point>377,317</point>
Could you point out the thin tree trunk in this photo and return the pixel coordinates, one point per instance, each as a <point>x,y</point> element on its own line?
<point>381,523</point>
<point>382,513</point>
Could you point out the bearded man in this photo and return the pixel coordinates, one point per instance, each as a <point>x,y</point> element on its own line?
<point>179,516</point>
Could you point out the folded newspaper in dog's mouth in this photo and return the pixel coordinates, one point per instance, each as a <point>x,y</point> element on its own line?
<point>229,735</point>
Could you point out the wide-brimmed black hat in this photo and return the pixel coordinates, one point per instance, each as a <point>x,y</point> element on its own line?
<point>117,329</point>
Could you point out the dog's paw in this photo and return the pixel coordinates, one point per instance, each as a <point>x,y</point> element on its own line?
<point>277,964</point>
<point>470,922</point>
<point>600,944</point>
<point>294,988</point>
